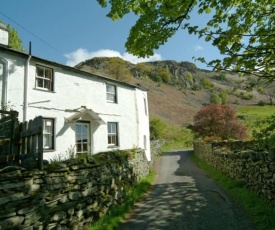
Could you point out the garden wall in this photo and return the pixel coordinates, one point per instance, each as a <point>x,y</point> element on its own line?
<point>68,195</point>
<point>243,162</point>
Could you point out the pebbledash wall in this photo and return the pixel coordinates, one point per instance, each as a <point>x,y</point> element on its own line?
<point>70,195</point>
<point>241,161</point>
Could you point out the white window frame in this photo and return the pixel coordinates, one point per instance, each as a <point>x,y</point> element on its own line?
<point>47,81</point>
<point>111,95</point>
<point>112,130</point>
<point>82,143</point>
<point>48,133</point>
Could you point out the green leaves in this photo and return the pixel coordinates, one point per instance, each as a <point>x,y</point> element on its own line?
<point>242,30</point>
<point>265,133</point>
<point>14,40</point>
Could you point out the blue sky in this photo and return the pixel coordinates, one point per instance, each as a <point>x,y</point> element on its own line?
<point>71,31</point>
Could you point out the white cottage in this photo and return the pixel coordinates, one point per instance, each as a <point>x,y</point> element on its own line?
<point>82,112</point>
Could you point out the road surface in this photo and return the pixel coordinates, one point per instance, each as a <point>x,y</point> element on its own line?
<point>185,197</point>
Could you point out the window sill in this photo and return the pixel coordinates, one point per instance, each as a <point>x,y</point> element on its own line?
<point>48,150</point>
<point>112,102</point>
<point>113,146</point>
<point>43,90</point>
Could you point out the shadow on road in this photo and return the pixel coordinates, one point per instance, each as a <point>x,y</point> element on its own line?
<point>184,197</point>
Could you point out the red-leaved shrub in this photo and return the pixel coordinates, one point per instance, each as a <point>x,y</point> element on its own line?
<point>218,121</point>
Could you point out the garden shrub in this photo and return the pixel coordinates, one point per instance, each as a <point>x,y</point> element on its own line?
<point>218,121</point>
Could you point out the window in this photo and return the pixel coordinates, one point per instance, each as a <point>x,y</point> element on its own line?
<point>48,133</point>
<point>82,137</point>
<point>44,78</point>
<point>111,93</point>
<point>145,106</point>
<point>112,134</point>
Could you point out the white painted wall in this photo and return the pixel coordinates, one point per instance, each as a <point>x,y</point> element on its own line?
<point>4,35</point>
<point>71,91</point>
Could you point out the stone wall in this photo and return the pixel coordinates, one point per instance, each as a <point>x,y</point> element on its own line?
<point>68,195</point>
<point>242,161</point>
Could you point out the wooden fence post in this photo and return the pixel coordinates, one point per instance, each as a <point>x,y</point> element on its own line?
<point>40,142</point>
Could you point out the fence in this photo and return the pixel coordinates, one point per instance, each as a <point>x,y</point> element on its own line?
<point>20,143</point>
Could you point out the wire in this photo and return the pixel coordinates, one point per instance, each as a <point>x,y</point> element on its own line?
<point>58,51</point>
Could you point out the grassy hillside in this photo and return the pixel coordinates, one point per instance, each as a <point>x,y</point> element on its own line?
<point>256,112</point>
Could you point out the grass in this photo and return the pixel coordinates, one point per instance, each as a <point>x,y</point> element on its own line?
<point>177,145</point>
<point>112,219</point>
<point>183,140</point>
<point>259,211</point>
<point>256,112</point>
<point>251,114</point>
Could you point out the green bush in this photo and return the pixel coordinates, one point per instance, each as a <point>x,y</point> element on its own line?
<point>220,77</point>
<point>206,83</point>
<point>246,96</point>
<point>196,87</point>
<point>224,97</point>
<point>264,133</point>
<point>261,103</point>
<point>157,129</point>
<point>214,98</point>
<point>190,78</point>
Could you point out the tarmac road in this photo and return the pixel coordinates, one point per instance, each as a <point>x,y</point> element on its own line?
<point>185,197</point>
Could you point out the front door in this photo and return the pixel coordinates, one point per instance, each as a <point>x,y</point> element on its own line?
<point>82,137</point>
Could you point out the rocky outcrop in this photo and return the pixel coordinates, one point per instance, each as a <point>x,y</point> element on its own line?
<point>178,71</point>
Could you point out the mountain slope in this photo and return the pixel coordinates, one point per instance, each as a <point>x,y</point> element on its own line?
<point>177,90</point>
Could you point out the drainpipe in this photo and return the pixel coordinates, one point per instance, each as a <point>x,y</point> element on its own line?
<point>26,78</point>
<point>4,100</point>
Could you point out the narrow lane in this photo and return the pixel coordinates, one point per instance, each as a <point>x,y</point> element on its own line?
<point>185,197</point>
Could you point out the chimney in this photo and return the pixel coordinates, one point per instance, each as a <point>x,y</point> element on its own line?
<point>4,35</point>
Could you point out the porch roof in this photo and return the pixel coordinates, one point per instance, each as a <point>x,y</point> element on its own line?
<point>83,112</point>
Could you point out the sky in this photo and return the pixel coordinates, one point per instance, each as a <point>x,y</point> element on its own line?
<point>72,31</point>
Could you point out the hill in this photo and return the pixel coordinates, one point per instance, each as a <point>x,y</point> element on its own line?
<point>176,90</point>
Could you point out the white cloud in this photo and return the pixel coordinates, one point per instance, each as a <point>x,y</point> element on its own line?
<point>81,54</point>
<point>198,48</point>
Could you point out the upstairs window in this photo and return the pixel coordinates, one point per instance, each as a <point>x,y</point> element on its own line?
<point>48,133</point>
<point>111,93</point>
<point>44,78</point>
<point>112,134</point>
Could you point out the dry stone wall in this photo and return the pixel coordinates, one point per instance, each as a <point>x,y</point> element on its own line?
<point>68,195</point>
<point>242,161</point>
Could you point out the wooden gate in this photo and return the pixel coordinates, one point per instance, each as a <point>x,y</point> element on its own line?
<point>20,143</point>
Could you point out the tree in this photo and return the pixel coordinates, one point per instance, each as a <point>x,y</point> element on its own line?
<point>224,96</point>
<point>242,30</point>
<point>214,99</point>
<point>218,121</point>
<point>157,129</point>
<point>117,69</point>
<point>14,40</point>
<point>269,92</point>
